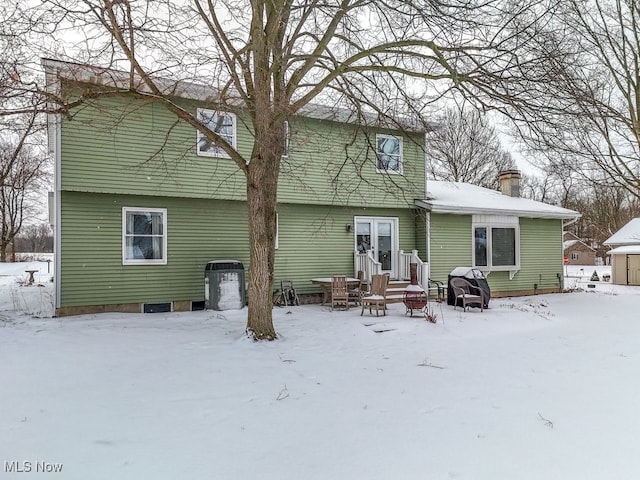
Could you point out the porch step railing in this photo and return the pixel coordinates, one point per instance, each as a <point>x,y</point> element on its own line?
<point>404,270</point>
<point>367,263</point>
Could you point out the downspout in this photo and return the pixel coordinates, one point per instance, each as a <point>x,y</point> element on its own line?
<point>54,121</point>
<point>428,233</point>
<point>57,248</point>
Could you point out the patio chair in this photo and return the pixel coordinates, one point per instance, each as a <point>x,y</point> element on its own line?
<point>437,289</point>
<point>378,297</point>
<point>339,292</point>
<point>463,293</point>
<point>356,293</point>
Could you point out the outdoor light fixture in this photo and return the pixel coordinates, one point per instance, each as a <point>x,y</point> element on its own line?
<point>349,228</point>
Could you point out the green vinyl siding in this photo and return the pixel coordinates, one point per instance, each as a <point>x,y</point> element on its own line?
<point>335,163</point>
<point>421,217</point>
<point>126,145</point>
<point>540,252</point>
<point>91,248</point>
<point>450,244</point>
<point>129,146</point>
<point>313,242</point>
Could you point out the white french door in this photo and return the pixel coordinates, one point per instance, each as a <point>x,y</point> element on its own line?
<point>379,234</point>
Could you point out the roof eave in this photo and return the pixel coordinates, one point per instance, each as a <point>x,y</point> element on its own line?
<point>458,210</point>
<point>188,90</point>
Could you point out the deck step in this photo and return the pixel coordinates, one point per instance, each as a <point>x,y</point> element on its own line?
<point>396,289</point>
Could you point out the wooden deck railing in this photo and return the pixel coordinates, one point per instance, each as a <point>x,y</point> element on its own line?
<point>367,263</point>
<point>404,270</point>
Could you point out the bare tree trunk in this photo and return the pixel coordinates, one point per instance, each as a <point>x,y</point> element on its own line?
<point>262,185</point>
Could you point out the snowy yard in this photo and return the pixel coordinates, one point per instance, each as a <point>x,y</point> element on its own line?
<point>533,388</point>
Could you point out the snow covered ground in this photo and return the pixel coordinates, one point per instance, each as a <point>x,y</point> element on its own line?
<point>533,388</point>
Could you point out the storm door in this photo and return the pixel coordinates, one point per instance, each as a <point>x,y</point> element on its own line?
<point>379,234</point>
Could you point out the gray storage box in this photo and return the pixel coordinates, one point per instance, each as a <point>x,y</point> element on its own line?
<point>224,285</point>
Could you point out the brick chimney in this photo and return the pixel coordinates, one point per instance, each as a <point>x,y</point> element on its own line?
<point>510,182</point>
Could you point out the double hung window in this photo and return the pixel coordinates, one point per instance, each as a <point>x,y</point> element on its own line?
<point>144,236</point>
<point>222,123</point>
<point>389,154</point>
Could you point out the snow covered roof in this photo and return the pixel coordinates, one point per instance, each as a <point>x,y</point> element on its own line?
<point>627,235</point>
<point>570,243</point>
<point>625,249</point>
<point>464,198</point>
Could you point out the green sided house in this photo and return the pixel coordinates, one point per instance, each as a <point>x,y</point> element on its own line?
<point>143,203</point>
<point>516,242</point>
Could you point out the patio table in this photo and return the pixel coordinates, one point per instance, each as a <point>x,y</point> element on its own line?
<point>325,284</point>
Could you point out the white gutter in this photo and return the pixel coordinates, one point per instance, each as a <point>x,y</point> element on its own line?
<point>463,210</point>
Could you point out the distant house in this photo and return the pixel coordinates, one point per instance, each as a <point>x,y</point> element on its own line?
<point>625,254</point>
<point>576,251</point>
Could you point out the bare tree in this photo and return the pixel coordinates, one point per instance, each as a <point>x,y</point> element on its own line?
<point>20,168</point>
<point>34,238</point>
<point>587,113</point>
<point>604,208</point>
<point>464,147</point>
<point>604,211</point>
<point>271,58</point>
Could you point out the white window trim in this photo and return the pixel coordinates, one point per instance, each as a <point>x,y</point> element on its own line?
<point>199,135</point>
<point>400,159</point>
<point>144,261</point>
<point>486,221</point>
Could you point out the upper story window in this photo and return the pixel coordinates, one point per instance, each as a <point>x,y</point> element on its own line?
<point>144,236</point>
<point>222,123</point>
<point>496,243</point>
<point>389,154</point>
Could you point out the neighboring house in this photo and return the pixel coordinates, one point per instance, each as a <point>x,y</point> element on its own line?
<point>576,251</point>
<point>142,203</point>
<point>516,242</point>
<point>625,254</point>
